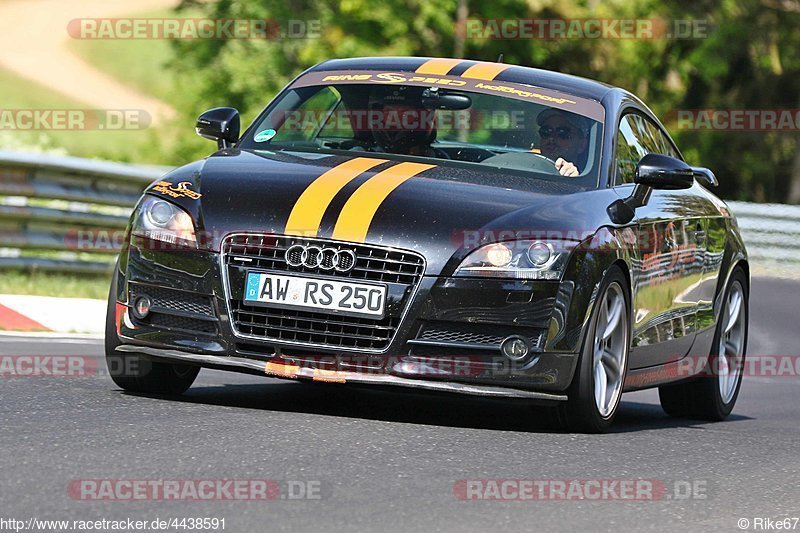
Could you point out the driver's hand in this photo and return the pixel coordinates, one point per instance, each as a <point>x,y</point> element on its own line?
<point>565,168</point>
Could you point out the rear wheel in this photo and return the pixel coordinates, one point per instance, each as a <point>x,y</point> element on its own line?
<point>594,395</point>
<point>713,398</point>
<point>135,373</point>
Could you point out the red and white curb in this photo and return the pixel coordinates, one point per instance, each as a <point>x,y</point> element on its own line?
<point>48,314</point>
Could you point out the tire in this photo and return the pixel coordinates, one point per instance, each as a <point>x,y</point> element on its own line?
<point>135,373</point>
<point>585,411</point>
<point>703,398</point>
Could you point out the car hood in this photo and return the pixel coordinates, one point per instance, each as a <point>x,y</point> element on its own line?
<point>441,211</point>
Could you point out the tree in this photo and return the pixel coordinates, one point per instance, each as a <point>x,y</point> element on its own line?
<point>747,60</point>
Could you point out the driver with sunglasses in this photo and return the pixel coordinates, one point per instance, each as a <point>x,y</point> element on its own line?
<point>564,138</point>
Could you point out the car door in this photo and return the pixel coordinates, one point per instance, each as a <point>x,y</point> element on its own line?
<point>668,258</point>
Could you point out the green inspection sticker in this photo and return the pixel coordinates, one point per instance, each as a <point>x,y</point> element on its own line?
<point>264,136</point>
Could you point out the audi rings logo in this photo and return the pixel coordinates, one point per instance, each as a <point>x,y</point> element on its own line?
<point>301,255</point>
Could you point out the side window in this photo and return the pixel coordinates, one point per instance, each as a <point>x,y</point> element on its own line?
<point>638,137</point>
<point>314,115</point>
<point>630,148</point>
<point>659,140</point>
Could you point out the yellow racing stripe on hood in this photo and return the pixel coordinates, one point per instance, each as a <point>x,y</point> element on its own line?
<point>357,214</point>
<point>306,215</point>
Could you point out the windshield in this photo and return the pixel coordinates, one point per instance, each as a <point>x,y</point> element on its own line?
<point>522,128</point>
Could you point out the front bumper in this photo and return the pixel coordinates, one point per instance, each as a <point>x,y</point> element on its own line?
<point>241,364</point>
<point>447,339</point>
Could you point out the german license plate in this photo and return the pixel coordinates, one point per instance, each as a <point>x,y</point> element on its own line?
<point>313,294</point>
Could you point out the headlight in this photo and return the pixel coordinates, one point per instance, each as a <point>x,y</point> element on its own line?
<point>163,221</point>
<point>526,259</point>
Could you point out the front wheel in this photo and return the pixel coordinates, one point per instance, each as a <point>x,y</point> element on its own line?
<point>595,393</point>
<point>712,398</point>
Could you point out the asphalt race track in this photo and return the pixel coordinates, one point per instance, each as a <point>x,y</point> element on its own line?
<point>388,461</point>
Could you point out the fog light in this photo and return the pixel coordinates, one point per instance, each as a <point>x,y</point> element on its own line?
<point>141,307</point>
<point>515,348</point>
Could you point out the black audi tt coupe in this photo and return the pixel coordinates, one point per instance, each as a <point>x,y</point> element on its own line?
<point>442,224</point>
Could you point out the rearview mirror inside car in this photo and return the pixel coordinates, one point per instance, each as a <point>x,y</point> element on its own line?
<point>433,98</point>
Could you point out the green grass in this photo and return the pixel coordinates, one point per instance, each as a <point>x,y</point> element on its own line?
<point>140,64</point>
<point>18,93</point>
<point>40,283</point>
<point>144,65</point>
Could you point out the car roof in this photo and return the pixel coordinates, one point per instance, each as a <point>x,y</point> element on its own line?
<point>547,79</point>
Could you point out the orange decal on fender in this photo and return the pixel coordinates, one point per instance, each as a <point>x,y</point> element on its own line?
<point>178,190</point>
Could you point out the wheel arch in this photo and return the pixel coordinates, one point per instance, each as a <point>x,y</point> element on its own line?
<point>586,271</point>
<point>626,271</point>
<point>739,260</point>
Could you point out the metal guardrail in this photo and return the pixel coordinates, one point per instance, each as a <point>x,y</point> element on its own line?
<point>47,203</point>
<point>771,232</point>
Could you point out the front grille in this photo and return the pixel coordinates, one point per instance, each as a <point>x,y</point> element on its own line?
<point>319,328</point>
<point>314,328</point>
<point>372,264</point>
<point>174,300</point>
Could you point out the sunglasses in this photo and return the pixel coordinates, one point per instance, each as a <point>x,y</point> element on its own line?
<point>565,134</point>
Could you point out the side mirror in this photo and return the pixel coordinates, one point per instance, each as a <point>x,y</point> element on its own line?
<point>654,171</point>
<point>705,175</point>
<point>220,124</point>
<point>663,172</point>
